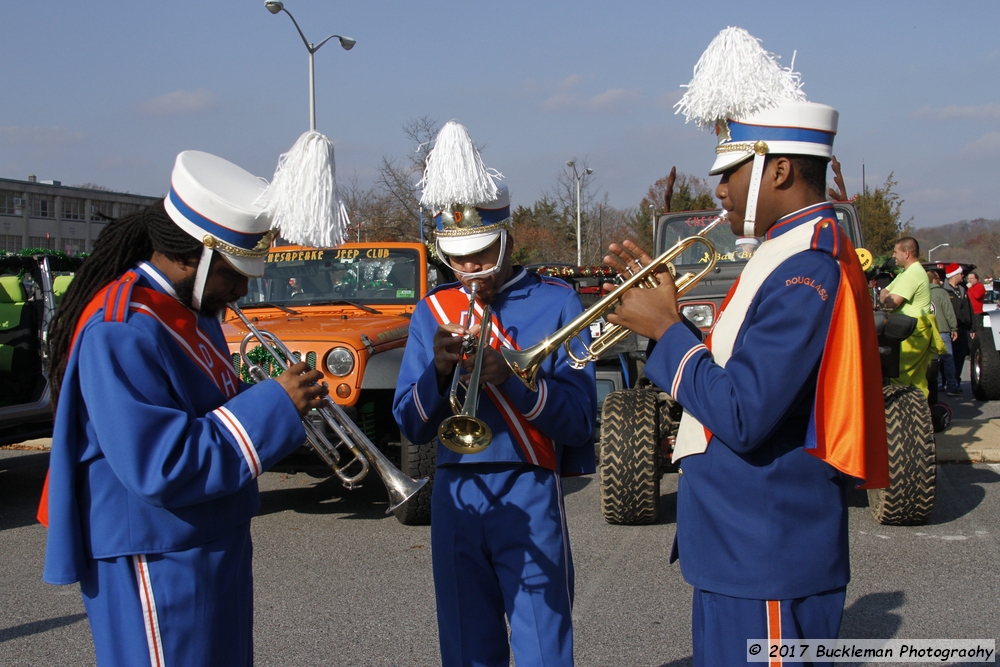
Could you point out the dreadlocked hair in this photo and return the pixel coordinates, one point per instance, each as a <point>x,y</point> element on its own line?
<point>120,246</point>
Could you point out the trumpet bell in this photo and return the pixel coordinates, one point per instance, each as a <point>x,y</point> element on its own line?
<point>400,487</point>
<point>463,434</point>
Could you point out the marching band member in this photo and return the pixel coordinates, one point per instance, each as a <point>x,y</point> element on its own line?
<point>157,445</point>
<point>783,408</point>
<point>498,535</point>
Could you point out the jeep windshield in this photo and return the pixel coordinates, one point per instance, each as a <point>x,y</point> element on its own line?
<point>676,227</point>
<point>297,277</point>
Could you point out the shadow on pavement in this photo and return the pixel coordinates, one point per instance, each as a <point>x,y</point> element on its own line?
<point>668,508</point>
<point>27,629</point>
<point>573,484</point>
<point>328,496</point>
<point>959,491</point>
<point>857,498</point>
<point>872,616</point>
<point>22,475</point>
<point>683,662</point>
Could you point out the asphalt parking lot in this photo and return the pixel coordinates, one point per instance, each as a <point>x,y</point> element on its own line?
<point>339,583</point>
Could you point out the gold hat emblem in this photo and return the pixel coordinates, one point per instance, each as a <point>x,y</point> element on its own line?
<point>461,217</point>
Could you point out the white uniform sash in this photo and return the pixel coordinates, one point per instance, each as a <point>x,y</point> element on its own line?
<point>691,436</point>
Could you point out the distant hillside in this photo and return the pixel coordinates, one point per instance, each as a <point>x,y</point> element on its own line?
<point>973,241</point>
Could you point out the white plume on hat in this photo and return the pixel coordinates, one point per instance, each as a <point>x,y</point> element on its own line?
<point>735,78</point>
<point>302,197</point>
<point>455,172</point>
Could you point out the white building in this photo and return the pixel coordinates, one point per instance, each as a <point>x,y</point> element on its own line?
<point>48,214</point>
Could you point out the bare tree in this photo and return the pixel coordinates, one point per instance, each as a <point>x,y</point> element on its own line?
<point>398,179</point>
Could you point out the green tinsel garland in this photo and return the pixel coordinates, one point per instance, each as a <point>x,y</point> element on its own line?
<point>261,357</point>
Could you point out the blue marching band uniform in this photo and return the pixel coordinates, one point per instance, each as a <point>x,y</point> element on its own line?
<point>761,519</point>
<point>152,479</point>
<point>499,527</point>
<point>783,407</point>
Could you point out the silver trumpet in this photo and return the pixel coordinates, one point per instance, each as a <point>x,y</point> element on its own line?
<point>401,487</point>
<point>463,432</point>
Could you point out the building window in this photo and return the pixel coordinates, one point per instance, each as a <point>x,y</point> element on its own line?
<point>10,242</point>
<point>102,211</point>
<point>127,209</point>
<point>73,209</point>
<point>10,203</point>
<point>42,242</point>
<point>42,207</point>
<point>74,246</point>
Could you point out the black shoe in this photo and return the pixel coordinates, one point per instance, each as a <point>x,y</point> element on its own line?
<point>957,392</point>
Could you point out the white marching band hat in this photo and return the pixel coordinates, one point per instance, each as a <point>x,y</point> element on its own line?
<point>470,203</point>
<point>237,214</point>
<point>212,199</point>
<point>756,107</point>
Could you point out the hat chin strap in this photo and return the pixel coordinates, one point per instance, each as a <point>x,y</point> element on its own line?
<point>756,175</point>
<point>487,272</point>
<point>201,277</point>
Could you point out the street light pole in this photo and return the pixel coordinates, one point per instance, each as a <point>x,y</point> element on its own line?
<point>652,216</point>
<point>579,178</point>
<point>274,7</point>
<point>942,245</point>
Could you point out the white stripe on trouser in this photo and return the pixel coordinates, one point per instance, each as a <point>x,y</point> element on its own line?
<point>148,603</point>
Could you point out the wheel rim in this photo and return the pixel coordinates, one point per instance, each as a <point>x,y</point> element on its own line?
<point>976,360</point>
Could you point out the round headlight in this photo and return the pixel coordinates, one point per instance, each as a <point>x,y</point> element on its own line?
<point>340,361</point>
<point>700,315</point>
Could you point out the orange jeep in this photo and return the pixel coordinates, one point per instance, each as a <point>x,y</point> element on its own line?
<point>347,312</point>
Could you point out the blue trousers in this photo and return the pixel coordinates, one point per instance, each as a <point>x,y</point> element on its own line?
<point>949,377</point>
<point>500,549</point>
<point>721,625</point>
<point>187,608</point>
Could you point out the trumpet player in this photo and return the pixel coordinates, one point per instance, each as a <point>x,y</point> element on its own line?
<point>783,408</point>
<point>157,445</point>
<point>499,540</point>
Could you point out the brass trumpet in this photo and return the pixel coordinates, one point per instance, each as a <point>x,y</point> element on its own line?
<point>366,455</point>
<point>525,363</point>
<point>463,432</point>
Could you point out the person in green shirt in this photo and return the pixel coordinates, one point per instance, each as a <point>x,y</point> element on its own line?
<point>910,294</point>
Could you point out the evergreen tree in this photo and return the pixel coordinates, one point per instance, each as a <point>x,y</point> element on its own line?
<point>880,212</point>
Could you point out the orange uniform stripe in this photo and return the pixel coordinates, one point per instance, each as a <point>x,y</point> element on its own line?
<point>774,630</point>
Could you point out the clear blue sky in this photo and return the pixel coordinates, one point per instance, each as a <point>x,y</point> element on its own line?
<point>109,92</point>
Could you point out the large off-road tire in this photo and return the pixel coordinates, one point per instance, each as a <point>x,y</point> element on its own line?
<point>984,366</point>
<point>417,461</point>
<point>630,457</point>
<point>912,460</point>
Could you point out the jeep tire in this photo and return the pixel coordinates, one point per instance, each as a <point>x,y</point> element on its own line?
<point>417,461</point>
<point>912,460</point>
<point>630,459</point>
<point>984,366</point>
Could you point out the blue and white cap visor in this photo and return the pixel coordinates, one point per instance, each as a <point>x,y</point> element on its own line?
<point>792,128</point>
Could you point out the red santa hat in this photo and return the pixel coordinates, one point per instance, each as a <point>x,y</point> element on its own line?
<point>952,270</point>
